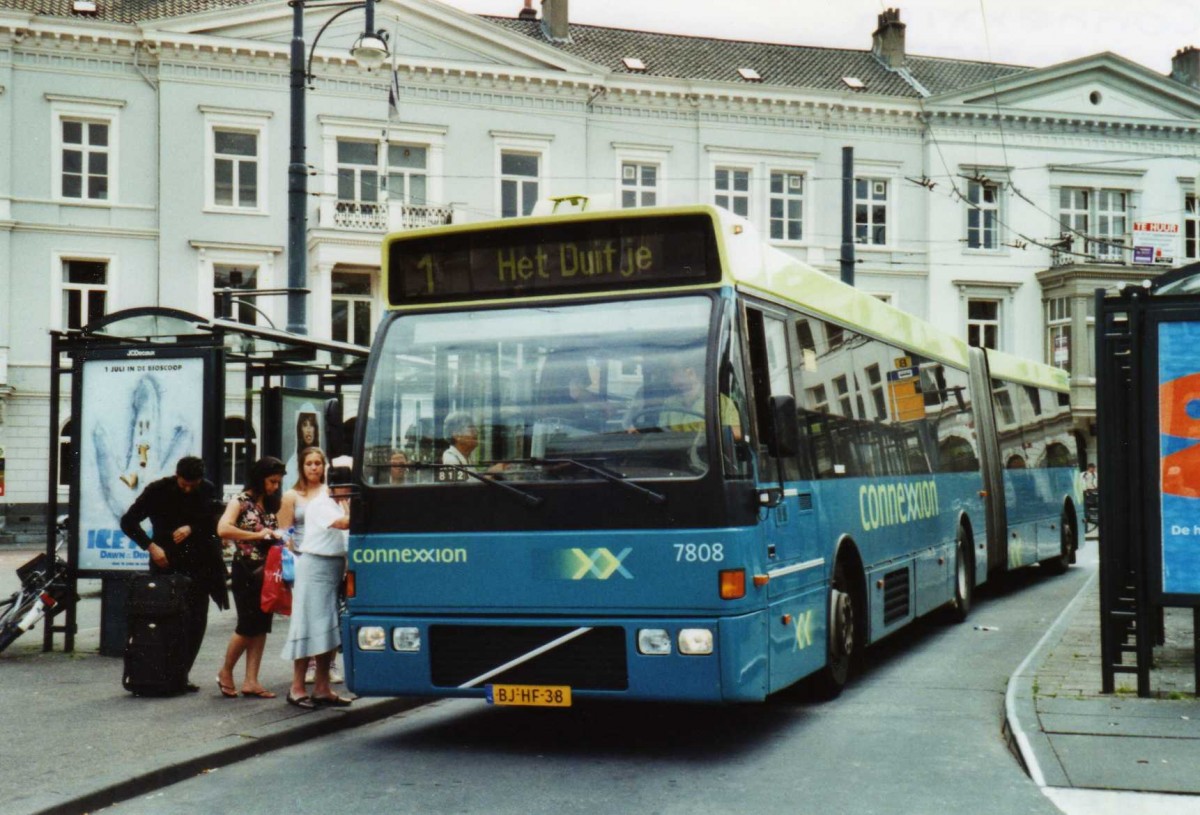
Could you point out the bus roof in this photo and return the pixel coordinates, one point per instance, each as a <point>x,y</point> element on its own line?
<point>753,266</point>
<point>1027,372</point>
<point>758,268</point>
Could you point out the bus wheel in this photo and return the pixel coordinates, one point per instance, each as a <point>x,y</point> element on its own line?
<point>964,579</point>
<point>1066,549</point>
<point>842,636</point>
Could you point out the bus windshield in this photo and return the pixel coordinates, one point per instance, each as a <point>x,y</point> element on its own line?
<point>546,393</point>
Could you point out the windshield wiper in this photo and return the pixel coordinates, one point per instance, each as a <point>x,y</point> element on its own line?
<point>525,498</point>
<point>607,475</point>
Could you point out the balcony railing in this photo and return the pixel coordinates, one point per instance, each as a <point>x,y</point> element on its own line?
<point>389,216</point>
<point>1075,249</point>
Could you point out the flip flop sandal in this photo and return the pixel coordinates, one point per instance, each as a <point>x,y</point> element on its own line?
<point>305,702</point>
<point>257,694</point>
<point>333,701</point>
<point>228,691</point>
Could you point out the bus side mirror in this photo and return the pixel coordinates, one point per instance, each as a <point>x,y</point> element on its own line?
<point>783,436</point>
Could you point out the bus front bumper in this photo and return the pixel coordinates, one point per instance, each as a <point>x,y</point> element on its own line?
<point>649,658</point>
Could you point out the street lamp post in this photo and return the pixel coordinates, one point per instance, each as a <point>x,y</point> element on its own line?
<point>370,50</point>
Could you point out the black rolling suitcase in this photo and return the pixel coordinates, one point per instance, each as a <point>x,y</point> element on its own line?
<point>156,645</point>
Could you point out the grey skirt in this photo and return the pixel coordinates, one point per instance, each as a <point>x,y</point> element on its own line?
<point>314,625</point>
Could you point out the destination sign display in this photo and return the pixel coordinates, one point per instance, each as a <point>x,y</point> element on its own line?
<point>555,258</point>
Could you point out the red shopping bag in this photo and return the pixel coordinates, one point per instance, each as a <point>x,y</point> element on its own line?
<point>276,594</point>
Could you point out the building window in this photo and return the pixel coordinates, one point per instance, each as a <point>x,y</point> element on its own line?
<point>84,292</point>
<point>835,334</point>
<point>732,190</point>
<point>358,176</point>
<point>818,399</point>
<point>786,206</point>
<point>350,315</point>
<point>85,150</point>
<point>235,452</point>
<point>841,385</point>
<point>235,169</point>
<point>870,211</point>
<point>408,174</point>
<point>639,184</point>
<point>235,277</point>
<point>1074,207</point>
<point>520,175</point>
<point>64,455</point>
<point>1191,227</point>
<point>1058,332</point>
<point>983,323</point>
<point>1111,209</point>
<point>875,380</point>
<point>983,215</point>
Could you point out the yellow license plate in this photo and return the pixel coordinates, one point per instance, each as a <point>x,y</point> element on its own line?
<point>530,695</point>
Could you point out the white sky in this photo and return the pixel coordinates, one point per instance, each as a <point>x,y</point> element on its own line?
<point>1021,32</point>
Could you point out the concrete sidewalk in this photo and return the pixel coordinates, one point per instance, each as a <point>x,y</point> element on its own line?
<point>75,741</point>
<point>1073,738</point>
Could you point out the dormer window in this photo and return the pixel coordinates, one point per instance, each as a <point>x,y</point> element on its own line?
<point>749,74</point>
<point>634,64</point>
<point>83,6</point>
<point>854,82</point>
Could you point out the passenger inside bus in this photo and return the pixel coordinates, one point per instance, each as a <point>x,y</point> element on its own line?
<point>569,395</point>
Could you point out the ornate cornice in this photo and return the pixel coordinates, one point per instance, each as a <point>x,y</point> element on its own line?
<point>969,124</point>
<point>104,231</point>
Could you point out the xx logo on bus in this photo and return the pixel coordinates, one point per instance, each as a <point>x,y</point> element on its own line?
<point>804,633</point>
<point>598,564</point>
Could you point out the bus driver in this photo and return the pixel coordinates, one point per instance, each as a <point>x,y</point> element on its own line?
<point>683,410</point>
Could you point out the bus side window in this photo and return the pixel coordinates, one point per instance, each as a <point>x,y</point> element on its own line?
<point>770,366</point>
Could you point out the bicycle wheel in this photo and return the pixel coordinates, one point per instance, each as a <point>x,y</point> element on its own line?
<point>11,612</point>
<point>7,634</point>
<point>8,609</point>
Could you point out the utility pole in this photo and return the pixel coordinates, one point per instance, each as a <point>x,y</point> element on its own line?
<point>847,259</point>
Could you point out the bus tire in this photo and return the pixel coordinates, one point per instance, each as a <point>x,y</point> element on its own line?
<point>1066,546</point>
<point>964,578</point>
<point>842,634</point>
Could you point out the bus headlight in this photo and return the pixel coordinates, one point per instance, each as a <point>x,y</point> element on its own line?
<point>372,638</point>
<point>695,641</point>
<point>406,639</point>
<point>653,641</point>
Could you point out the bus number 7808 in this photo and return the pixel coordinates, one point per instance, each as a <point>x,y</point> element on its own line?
<point>699,552</point>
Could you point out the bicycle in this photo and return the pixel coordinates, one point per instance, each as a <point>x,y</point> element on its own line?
<point>45,591</point>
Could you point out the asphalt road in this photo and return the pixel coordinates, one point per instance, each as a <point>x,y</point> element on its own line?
<point>920,731</point>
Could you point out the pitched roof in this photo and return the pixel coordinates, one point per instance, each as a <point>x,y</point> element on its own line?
<point>124,11</point>
<point>665,55</point>
<point>797,66</point>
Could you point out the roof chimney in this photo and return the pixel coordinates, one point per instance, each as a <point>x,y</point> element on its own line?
<point>1185,67</point>
<point>887,43</point>
<point>554,21</point>
<point>527,13</point>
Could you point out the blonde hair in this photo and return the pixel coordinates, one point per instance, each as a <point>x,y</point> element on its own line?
<point>301,482</point>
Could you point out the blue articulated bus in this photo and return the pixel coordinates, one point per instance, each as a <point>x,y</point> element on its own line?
<point>642,455</point>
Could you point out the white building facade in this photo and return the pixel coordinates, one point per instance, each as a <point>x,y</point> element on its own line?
<point>143,161</point>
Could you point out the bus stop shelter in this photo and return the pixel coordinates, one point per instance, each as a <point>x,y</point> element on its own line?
<point>1148,420</point>
<point>148,386</point>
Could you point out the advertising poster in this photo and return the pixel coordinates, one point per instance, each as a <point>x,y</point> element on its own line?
<point>1154,242</point>
<point>301,424</point>
<point>1179,434</point>
<point>138,416</point>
